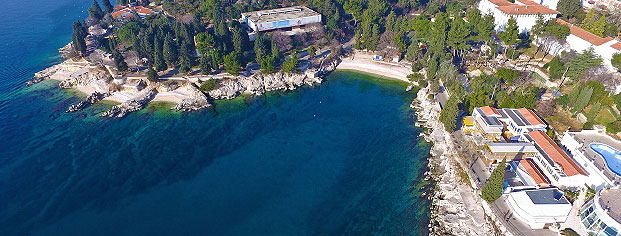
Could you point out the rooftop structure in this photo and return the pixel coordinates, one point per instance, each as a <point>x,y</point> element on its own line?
<point>524,174</point>
<point>517,121</point>
<point>580,145</point>
<point>602,214</point>
<point>280,18</point>
<point>559,167</point>
<point>511,151</point>
<point>540,207</point>
<point>525,12</point>
<point>126,11</point>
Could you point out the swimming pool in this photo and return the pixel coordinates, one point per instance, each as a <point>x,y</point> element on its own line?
<point>611,155</point>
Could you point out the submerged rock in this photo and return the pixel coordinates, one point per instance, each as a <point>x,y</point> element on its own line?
<point>132,105</point>
<point>91,99</point>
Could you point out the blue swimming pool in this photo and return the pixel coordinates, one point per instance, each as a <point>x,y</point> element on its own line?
<point>611,155</point>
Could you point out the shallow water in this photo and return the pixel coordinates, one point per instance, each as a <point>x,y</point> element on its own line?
<point>340,158</point>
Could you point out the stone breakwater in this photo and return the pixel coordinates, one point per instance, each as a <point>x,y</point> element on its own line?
<point>456,208</point>
<point>90,100</point>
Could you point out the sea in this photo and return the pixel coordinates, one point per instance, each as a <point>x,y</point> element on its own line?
<point>341,158</point>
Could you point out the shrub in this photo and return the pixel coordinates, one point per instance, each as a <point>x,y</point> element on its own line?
<point>209,85</point>
<point>493,188</point>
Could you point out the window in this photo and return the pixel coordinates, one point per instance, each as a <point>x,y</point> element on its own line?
<point>610,231</point>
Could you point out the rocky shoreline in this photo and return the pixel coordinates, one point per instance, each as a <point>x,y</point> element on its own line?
<point>101,82</point>
<point>456,208</point>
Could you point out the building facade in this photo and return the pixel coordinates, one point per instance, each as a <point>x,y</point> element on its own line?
<point>525,12</point>
<point>280,18</point>
<point>540,207</point>
<point>601,216</point>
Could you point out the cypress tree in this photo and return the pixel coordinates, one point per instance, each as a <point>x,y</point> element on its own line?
<point>107,6</point>
<point>493,188</point>
<point>160,63</point>
<point>260,48</point>
<point>119,61</point>
<point>95,11</point>
<point>79,43</point>
<point>275,52</point>
<point>170,51</point>
<point>232,63</point>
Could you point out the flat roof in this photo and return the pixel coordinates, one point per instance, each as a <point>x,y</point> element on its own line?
<point>279,14</point>
<point>489,111</point>
<point>512,147</point>
<point>547,196</point>
<point>530,116</point>
<point>609,199</point>
<point>554,153</point>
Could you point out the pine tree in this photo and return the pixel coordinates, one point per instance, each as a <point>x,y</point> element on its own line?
<point>170,51</point>
<point>510,35</point>
<point>290,64</point>
<point>493,188</point>
<point>589,20</point>
<point>267,65</point>
<point>448,115</point>
<point>599,26</point>
<point>159,62</point>
<point>232,63</point>
<point>184,66</point>
<point>261,48</point>
<point>275,52</point>
<point>95,11</point>
<point>152,75</point>
<point>108,8</point>
<point>205,65</point>
<point>240,39</point>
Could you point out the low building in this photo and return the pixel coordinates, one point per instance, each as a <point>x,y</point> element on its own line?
<point>601,172</point>
<point>581,40</point>
<point>539,208</point>
<point>558,167</point>
<point>126,11</point>
<point>525,12</point>
<point>510,151</point>
<point>468,123</point>
<point>601,216</point>
<point>280,18</point>
<point>492,121</point>
<point>524,174</point>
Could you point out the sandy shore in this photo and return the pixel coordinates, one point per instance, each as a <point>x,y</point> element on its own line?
<point>374,67</point>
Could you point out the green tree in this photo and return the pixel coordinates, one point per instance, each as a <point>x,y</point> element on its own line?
<point>95,11</point>
<point>510,35</point>
<point>616,60</point>
<point>611,30</point>
<point>583,100</point>
<point>556,68</point>
<point>290,64</point>
<point>108,8</point>
<point>119,61</point>
<point>184,65</point>
<point>413,51</point>
<point>205,65</point>
<point>152,75</point>
<point>205,41</point>
<point>170,51</point>
<point>582,62</point>
<point>275,52</point>
<point>261,48</point>
<point>159,62</point>
<point>232,63</point>
<point>240,39</point>
<point>267,65</point>
<point>209,85</point>
<point>448,115</point>
<point>493,188</point>
<point>508,75</point>
<point>569,8</point>
<point>484,29</point>
<point>79,43</point>
<point>458,35</point>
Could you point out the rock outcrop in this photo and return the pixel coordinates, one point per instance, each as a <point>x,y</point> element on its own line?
<point>91,99</point>
<point>83,77</point>
<point>196,101</point>
<point>132,105</point>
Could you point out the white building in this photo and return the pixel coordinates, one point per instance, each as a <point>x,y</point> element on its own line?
<point>594,164</point>
<point>280,18</point>
<point>580,40</point>
<point>539,208</point>
<point>525,12</point>
<point>601,216</point>
<point>517,121</point>
<point>558,167</point>
<point>603,4</point>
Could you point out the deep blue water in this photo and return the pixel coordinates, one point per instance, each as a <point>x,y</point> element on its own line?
<point>342,158</point>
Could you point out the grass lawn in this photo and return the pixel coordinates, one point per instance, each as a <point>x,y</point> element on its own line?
<point>562,121</point>
<point>604,116</point>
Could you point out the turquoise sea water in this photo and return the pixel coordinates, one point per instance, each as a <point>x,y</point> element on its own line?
<point>342,158</point>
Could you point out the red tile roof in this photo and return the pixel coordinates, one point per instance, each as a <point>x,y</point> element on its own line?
<point>118,14</point>
<point>533,171</point>
<point>532,118</point>
<point>556,153</point>
<point>489,111</point>
<point>516,9</point>
<point>585,35</point>
<point>501,2</point>
<point>617,46</point>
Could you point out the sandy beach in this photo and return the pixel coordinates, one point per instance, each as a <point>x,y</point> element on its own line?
<point>361,63</point>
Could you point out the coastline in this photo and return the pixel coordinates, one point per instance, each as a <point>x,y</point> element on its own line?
<point>382,69</point>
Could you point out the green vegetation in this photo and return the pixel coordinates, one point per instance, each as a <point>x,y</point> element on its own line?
<point>209,85</point>
<point>95,11</point>
<point>448,115</point>
<point>493,188</point>
<point>569,232</point>
<point>78,41</point>
<point>152,75</point>
<point>290,64</point>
